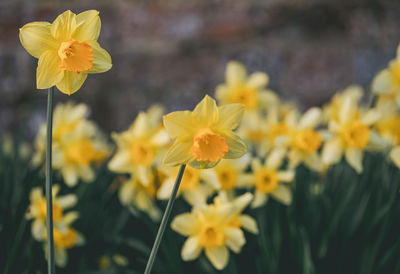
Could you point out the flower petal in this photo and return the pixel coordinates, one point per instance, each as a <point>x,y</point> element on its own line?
<point>218,256</point>
<point>237,148</point>
<point>230,116</point>
<point>370,117</point>
<point>36,38</point>
<point>382,82</point>
<point>64,25</point>
<point>48,72</point>
<point>71,82</point>
<point>121,162</point>
<point>185,224</point>
<point>101,59</point>
<point>354,158</point>
<point>206,111</point>
<point>66,201</point>
<point>178,153</point>
<point>259,199</point>
<point>257,80</point>
<point>395,156</point>
<point>248,223</point>
<point>70,175</point>
<point>178,123</point>
<point>235,73</point>
<point>286,176</point>
<point>283,194</point>
<point>275,158</point>
<point>88,26</point>
<point>191,249</point>
<point>332,151</point>
<point>60,257</point>
<point>234,239</point>
<point>311,118</point>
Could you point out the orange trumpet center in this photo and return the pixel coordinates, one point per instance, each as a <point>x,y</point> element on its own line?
<point>76,56</point>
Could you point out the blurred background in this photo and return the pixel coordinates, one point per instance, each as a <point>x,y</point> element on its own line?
<point>175,51</point>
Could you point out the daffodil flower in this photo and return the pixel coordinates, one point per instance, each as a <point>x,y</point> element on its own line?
<point>268,179</point>
<point>205,136</point>
<point>214,228</point>
<point>247,90</point>
<point>67,50</point>
<point>351,135</point>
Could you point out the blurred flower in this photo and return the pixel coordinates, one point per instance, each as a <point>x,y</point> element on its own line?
<point>386,83</point>
<point>191,188</point>
<point>67,50</point>
<point>351,134</point>
<point>214,228</point>
<point>303,140</point>
<point>106,261</point>
<point>138,195</point>
<point>37,209</point>
<point>65,237</point>
<point>227,173</point>
<point>269,180</point>
<point>247,90</point>
<point>140,147</point>
<point>388,127</point>
<point>77,144</point>
<point>204,136</point>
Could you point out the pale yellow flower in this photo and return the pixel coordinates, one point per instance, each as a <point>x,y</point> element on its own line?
<point>304,140</point>
<point>386,83</point>
<point>67,50</point>
<point>205,136</point>
<point>351,134</point>
<point>388,126</point>
<point>268,179</point>
<point>247,90</point>
<point>191,187</point>
<point>215,228</point>
<point>138,195</point>
<point>140,147</point>
<point>77,144</point>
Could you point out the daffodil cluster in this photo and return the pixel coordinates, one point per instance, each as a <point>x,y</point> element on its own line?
<point>78,145</point>
<point>65,236</point>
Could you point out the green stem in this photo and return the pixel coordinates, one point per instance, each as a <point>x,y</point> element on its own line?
<point>49,196</point>
<point>164,221</point>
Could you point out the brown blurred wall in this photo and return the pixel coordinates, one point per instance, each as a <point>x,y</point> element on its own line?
<point>176,51</point>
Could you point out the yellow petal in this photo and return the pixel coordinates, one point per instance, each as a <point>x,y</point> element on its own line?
<point>35,37</point>
<point>185,224</point>
<point>332,151</point>
<point>234,239</point>
<point>191,249</point>
<point>275,158</point>
<point>179,153</point>
<point>218,256</point>
<point>101,59</point>
<point>283,194</point>
<point>395,156</point>
<point>63,27</point>
<point>71,82</point>
<point>311,118</point>
<point>207,111</point>
<point>354,158</point>
<point>382,82</point>
<point>60,257</point>
<point>230,116</point>
<point>178,123</point>
<point>248,223</point>
<point>237,147</point>
<point>48,72</point>
<point>88,26</point>
<point>257,80</point>
<point>235,73</point>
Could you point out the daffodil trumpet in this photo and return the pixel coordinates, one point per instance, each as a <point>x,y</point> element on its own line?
<point>164,221</point>
<point>49,198</point>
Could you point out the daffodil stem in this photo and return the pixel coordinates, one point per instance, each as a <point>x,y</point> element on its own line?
<point>164,221</point>
<point>49,196</point>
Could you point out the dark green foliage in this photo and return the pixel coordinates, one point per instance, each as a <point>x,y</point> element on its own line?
<point>339,222</point>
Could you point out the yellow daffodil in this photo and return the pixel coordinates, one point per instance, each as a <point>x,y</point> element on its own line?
<point>77,144</point>
<point>205,136</point>
<point>65,237</point>
<point>37,209</point>
<point>140,147</point>
<point>388,127</point>
<point>247,90</point>
<point>269,180</point>
<point>138,195</point>
<point>191,187</point>
<point>214,228</point>
<point>303,140</point>
<point>227,173</point>
<point>351,134</point>
<point>386,83</point>
<point>67,50</point>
